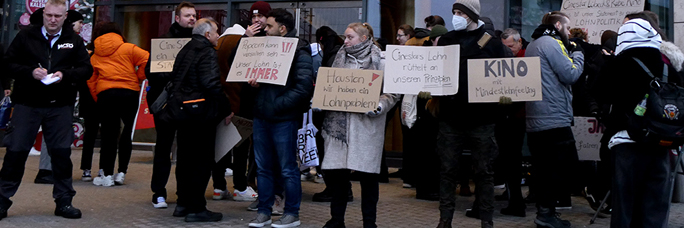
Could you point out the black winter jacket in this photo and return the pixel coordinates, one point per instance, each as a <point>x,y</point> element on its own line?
<point>68,55</point>
<point>278,103</point>
<point>203,73</point>
<point>158,81</point>
<point>455,108</point>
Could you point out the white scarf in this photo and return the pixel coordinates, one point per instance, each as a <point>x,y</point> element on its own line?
<point>637,33</point>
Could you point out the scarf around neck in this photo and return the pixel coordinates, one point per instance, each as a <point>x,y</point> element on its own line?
<point>361,56</point>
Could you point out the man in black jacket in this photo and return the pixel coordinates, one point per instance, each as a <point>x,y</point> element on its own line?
<point>460,121</point>
<point>161,166</point>
<point>37,55</point>
<point>277,112</point>
<point>196,69</point>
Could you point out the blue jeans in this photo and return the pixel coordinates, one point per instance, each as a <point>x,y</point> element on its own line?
<point>275,145</point>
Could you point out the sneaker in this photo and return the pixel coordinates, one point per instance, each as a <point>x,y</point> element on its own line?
<point>261,220</point>
<point>229,172</point>
<point>254,206</point>
<point>159,202</point>
<point>119,178</point>
<point>248,195</point>
<point>287,221</point>
<point>68,211</point>
<point>204,216</point>
<point>86,176</point>
<point>407,185</point>
<point>318,179</point>
<point>105,181</point>
<point>278,206</point>
<point>219,194</point>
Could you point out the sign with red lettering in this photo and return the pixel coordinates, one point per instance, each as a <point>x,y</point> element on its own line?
<point>588,132</point>
<point>347,90</point>
<point>267,59</point>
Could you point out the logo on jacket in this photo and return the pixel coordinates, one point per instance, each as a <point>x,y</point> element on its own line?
<point>671,112</point>
<point>65,46</point>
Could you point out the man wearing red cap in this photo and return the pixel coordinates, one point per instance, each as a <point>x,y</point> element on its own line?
<point>259,11</point>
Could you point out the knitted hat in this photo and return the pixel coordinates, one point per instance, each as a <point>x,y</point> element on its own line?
<point>437,31</point>
<point>637,33</point>
<point>469,7</point>
<point>73,16</point>
<point>260,7</point>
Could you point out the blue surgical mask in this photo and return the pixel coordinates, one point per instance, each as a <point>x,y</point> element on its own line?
<point>459,23</point>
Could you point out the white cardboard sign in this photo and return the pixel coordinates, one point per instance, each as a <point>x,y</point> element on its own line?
<point>595,17</point>
<point>268,59</point>
<point>411,69</point>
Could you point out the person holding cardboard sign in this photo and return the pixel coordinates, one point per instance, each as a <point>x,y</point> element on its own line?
<point>354,141</point>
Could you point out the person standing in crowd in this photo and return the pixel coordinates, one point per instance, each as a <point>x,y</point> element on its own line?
<point>511,38</point>
<point>259,12</point>
<point>404,33</point>
<point>430,23</point>
<point>118,70</point>
<point>196,69</point>
<point>351,140</point>
<point>166,132</point>
<point>475,125</point>
<point>642,182</point>
<point>277,111</point>
<point>226,44</point>
<point>33,56</point>
<point>551,141</point>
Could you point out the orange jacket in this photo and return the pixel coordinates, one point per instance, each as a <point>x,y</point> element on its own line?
<point>114,65</point>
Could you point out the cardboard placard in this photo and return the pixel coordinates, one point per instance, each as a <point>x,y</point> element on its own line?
<point>595,17</point>
<point>410,69</point>
<point>588,132</point>
<point>517,78</point>
<point>227,136</point>
<point>347,90</point>
<point>164,52</point>
<point>244,127</point>
<point>268,59</point>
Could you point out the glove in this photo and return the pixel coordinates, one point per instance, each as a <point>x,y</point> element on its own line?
<point>576,47</point>
<point>504,100</point>
<point>375,112</point>
<point>425,95</point>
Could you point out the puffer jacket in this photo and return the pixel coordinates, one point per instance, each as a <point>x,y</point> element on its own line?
<point>114,65</point>
<point>559,71</point>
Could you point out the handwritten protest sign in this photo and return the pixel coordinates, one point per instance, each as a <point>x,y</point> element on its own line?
<point>588,132</point>
<point>268,59</point>
<point>517,78</point>
<point>347,90</point>
<point>595,17</point>
<point>410,70</point>
<point>164,53</point>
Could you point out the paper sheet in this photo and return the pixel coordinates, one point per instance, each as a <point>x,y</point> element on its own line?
<point>49,79</point>
<point>227,136</point>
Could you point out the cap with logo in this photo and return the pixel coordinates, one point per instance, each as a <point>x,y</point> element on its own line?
<point>260,7</point>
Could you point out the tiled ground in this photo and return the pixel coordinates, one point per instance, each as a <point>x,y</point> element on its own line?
<point>129,205</point>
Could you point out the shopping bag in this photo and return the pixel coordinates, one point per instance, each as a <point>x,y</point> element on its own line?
<point>409,111</point>
<point>5,112</point>
<point>306,143</point>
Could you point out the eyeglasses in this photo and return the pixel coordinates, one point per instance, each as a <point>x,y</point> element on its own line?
<point>400,35</point>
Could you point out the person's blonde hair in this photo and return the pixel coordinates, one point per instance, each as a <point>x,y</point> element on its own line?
<point>58,3</point>
<point>363,29</point>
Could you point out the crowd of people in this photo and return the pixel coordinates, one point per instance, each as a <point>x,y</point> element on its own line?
<point>49,63</point>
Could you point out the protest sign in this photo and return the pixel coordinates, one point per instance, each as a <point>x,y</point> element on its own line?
<point>164,52</point>
<point>227,136</point>
<point>268,59</point>
<point>347,90</point>
<point>244,127</point>
<point>410,70</point>
<point>595,17</point>
<point>517,78</point>
<point>588,132</point>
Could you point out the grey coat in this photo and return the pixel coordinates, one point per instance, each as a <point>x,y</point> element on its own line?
<point>559,71</point>
<point>360,144</point>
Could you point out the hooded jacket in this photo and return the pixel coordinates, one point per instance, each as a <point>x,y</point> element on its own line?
<point>559,71</point>
<point>68,55</point>
<point>158,81</point>
<point>114,65</point>
<point>421,36</point>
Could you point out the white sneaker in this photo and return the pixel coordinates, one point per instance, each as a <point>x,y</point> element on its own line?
<point>229,172</point>
<point>278,206</point>
<point>249,195</point>
<point>34,152</point>
<point>318,179</point>
<point>160,203</point>
<point>119,178</point>
<point>106,181</point>
<point>219,194</point>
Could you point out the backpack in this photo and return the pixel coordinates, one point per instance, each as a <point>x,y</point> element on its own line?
<point>662,124</point>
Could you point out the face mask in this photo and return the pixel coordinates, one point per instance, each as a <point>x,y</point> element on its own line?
<point>459,23</point>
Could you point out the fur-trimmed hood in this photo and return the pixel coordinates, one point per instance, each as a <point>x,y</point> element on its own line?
<point>674,54</point>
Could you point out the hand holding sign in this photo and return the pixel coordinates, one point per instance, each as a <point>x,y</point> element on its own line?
<point>164,53</point>
<point>265,59</point>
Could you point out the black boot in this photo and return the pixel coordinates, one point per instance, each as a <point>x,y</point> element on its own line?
<point>44,177</point>
<point>334,224</point>
<point>5,204</point>
<point>547,217</point>
<point>204,216</point>
<point>68,211</point>
<point>444,223</point>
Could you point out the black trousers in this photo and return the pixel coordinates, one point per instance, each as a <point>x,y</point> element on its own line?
<point>59,134</point>
<point>161,165</point>
<point>510,135</point>
<point>115,106</point>
<point>92,126</point>
<point>421,163</point>
<point>642,185</point>
<point>338,182</point>
<point>553,153</point>
<point>237,162</point>
<point>194,165</point>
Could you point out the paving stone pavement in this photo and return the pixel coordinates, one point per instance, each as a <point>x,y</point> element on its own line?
<point>130,205</point>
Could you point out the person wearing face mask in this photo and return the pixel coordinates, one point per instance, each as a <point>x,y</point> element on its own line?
<point>351,140</point>
<point>550,139</point>
<point>460,121</point>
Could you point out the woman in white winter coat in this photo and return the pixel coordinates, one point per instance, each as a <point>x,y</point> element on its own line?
<point>354,141</point>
